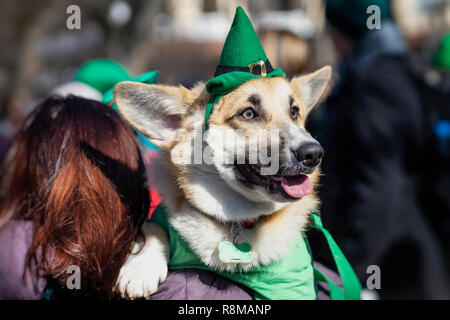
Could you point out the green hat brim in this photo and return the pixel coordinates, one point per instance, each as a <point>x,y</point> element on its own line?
<point>228,82</point>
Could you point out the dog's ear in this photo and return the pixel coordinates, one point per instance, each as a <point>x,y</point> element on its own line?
<point>155,110</point>
<point>310,88</point>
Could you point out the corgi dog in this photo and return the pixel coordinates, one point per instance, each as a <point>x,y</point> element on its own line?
<point>205,199</point>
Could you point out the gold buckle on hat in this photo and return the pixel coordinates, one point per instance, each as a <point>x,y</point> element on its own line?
<point>261,64</point>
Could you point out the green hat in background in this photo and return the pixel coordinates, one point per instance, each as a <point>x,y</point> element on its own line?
<point>441,58</point>
<point>101,74</point>
<point>350,16</point>
<point>242,59</point>
<point>104,74</point>
<point>148,77</point>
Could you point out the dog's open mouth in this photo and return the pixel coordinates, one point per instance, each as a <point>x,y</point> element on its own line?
<point>290,186</point>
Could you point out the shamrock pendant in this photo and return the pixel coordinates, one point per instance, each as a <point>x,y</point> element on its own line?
<point>230,253</point>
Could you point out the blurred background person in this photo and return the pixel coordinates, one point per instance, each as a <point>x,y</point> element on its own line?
<point>380,156</point>
<point>433,79</point>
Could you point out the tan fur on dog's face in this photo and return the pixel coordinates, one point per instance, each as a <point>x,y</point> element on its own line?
<point>219,188</point>
<point>270,97</point>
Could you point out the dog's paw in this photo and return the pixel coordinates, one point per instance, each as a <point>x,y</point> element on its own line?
<point>141,276</point>
<point>144,270</point>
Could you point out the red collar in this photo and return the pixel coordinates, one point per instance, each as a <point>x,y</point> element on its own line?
<point>248,224</point>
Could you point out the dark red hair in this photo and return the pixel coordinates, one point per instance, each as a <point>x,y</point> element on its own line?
<point>75,170</point>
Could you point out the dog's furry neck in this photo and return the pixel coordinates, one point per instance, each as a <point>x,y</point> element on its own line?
<point>190,213</point>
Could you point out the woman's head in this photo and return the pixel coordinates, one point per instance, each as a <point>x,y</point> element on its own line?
<point>75,170</point>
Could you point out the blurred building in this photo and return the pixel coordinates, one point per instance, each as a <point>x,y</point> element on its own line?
<point>181,38</point>
<point>38,51</point>
<point>421,19</point>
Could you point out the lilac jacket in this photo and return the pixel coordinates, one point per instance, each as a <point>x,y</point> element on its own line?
<point>189,284</point>
<point>15,281</point>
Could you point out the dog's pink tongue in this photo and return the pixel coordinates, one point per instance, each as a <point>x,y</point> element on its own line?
<point>296,186</point>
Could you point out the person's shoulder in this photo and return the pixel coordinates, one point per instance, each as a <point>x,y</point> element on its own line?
<point>15,239</point>
<point>17,234</point>
<point>385,71</point>
<point>196,284</point>
<point>390,80</point>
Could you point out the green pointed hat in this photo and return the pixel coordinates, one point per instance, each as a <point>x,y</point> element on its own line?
<point>242,59</point>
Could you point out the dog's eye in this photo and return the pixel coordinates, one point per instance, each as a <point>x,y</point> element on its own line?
<point>249,114</point>
<point>294,113</point>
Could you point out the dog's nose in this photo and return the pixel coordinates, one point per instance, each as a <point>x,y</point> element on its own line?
<point>309,154</point>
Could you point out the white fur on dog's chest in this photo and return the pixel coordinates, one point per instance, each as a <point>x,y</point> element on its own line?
<point>204,235</point>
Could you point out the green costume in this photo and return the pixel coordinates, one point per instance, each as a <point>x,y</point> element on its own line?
<point>293,277</point>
